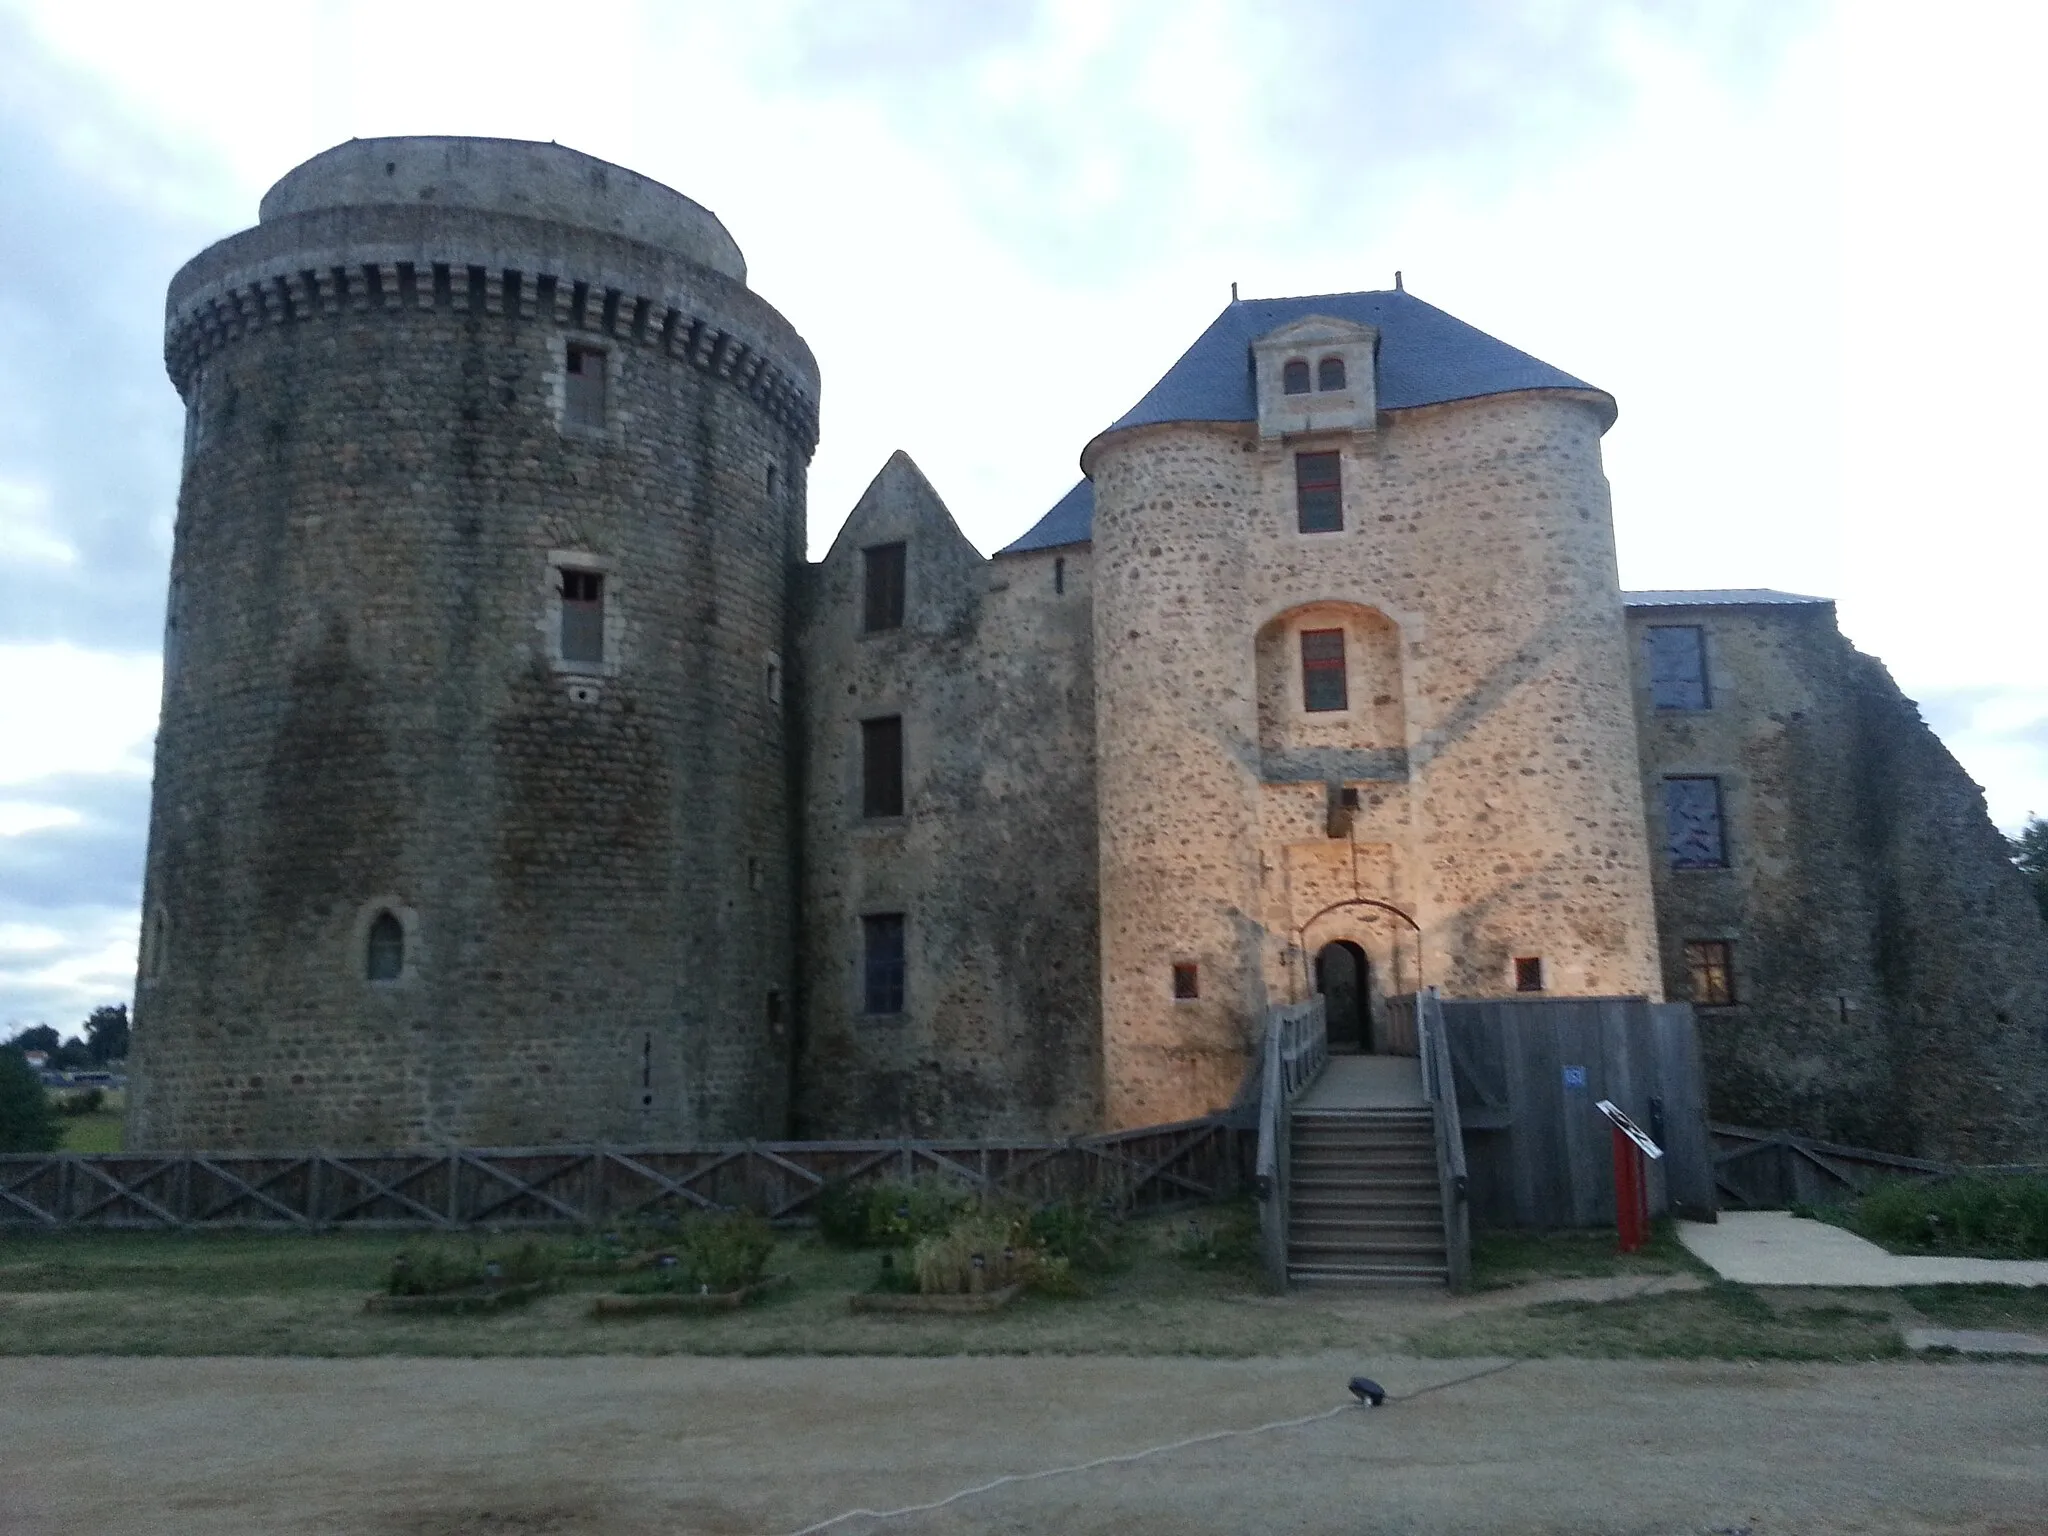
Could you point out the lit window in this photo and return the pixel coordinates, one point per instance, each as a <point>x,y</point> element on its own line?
<point>881,766</point>
<point>384,958</point>
<point>1187,980</point>
<point>1709,964</point>
<point>1318,492</point>
<point>583,617</point>
<point>883,572</point>
<point>1529,973</point>
<point>583,396</point>
<point>1330,373</point>
<point>1294,377</point>
<point>1694,833</point>
<point>1677,654</point>
<point>882,963</point>
<point>1322,671</point>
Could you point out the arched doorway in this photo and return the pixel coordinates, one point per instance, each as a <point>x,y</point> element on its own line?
<point>1344,978</point>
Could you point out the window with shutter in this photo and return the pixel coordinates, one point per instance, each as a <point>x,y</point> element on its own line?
<point>1677,654</point>
<point>881,766</point>
<point>883,581</point>
<point>1694,834</point>
<point>583,395</point>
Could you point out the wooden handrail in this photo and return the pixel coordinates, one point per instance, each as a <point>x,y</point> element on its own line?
<point>1296,1049</point>
<point>1440,1087</point>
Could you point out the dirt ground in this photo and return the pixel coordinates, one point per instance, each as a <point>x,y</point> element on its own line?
<point>631,1446</point>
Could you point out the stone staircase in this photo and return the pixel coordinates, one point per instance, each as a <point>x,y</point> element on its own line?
<point>1364,1203</point>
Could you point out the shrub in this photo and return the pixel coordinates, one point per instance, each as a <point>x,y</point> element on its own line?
<point>891,1213</point>
<point>28,1122</point>
<point>89,1102</point>
<point>1085,1235</point>
<point>717,1253</point>
<point>1221,1237</point>
<point>985,1252</point>
<point>1994,1215</point>
<point>437,1268</point>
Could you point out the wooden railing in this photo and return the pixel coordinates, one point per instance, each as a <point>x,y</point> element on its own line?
<point>1764,1170</point>
<point>1297,1047</point>
<point>1132,1171</point>
<point>1439,1086</point>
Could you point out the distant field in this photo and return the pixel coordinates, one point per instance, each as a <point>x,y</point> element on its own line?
<point>97,1132</point>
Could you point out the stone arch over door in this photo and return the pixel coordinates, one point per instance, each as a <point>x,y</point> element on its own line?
<point>1387,938</point>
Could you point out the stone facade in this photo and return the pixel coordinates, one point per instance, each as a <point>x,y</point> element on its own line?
<point>1889,981</point>
<point>519,782</point>
<point>367,710</point>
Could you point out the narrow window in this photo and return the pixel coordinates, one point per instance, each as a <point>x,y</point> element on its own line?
<point>154,939</point>
<point>774,680</point>
<point>1529,973</point>
<point>882,962</point>
<point>1059,574</point>
<point>1677,654</point>
<point>583,616</point>
<point>881,766</point>
<point>646,1071</point>
<point>583,393</point>
<point>1330,373</point>
<point>771,480</point>
<point>385,955</point>
<point>774,1005</point>
<point>1710,965</point>
<point>1294,377</point>
<point>1323,685</point>
<point>1694,832</point>
<point>1318,493</point>
<point>1187,977</point>
<point>884,588</point>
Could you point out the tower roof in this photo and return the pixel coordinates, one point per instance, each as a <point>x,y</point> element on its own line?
<point>1426,357</point>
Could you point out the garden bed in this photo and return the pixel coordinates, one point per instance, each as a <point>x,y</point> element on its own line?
<point>952,1304</point>
<point>481,1298</point>
<point>654,1303</point>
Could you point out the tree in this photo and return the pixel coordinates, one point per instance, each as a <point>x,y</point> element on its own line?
<point>28,1120</point>
<point>2030,852</point>
<point>39,1038</point>
<point>106,1034</point>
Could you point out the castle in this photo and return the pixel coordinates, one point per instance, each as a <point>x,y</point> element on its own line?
<point>520,783</point>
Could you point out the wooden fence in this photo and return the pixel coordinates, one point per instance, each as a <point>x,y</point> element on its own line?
<point>1131,1171</point>
<point>1769,1170</point>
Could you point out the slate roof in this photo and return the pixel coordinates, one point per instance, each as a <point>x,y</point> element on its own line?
<point>1721,597</point>
<point>1426,357</point>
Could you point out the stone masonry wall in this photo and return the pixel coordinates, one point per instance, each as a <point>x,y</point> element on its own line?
<point>993,863</point>
<point>1508,824</point>
<point>362,712</point>
<point>1890,966</point>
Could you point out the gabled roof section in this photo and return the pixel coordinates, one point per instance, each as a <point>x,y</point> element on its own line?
<point>1071,521</point>
<point>1427,357</point>
<point>1719,597</point>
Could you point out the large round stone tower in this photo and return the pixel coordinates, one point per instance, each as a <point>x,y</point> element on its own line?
<point>1362,689</point>
<point>471,818</point>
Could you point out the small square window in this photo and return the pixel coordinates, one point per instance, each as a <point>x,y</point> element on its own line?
<point>1695,835</point>
<point>1318,492</point>
<point>881,766</point>
<point>582,636</point>
<point>1187,981</point>
<point>883,572</point>
<point>1677,654</point>
<point>1529,973</point>
<point>1323,685</point>
<point>583,394</point>
<point>1710,967</point>
<point>882,963</point>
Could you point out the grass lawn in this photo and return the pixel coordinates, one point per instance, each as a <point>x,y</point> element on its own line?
<point>99,1131</point>
<point>2007,1308</point>
<point>302,1294</point>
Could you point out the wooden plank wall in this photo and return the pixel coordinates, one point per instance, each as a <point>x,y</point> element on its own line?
<point>1529,1073</point>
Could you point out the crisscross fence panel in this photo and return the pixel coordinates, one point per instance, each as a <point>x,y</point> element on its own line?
<point>1149,1168</point>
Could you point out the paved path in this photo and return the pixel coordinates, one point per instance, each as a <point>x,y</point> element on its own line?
<point>1776,1248</point>
<point>637,1446</point>
<point>1366,1082</point>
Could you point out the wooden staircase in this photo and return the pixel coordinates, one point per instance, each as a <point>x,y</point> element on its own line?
<point>1364,1205</point>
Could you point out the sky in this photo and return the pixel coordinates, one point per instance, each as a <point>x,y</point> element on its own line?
<point>1800,244</point>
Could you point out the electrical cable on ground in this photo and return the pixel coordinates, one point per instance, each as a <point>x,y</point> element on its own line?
<point>1131,1456</point>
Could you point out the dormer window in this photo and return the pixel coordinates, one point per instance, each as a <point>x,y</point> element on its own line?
<point>1329,375</point>
<point>1294,377</point>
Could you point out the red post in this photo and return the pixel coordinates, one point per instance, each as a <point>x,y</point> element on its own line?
<point>1631,1193</point>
